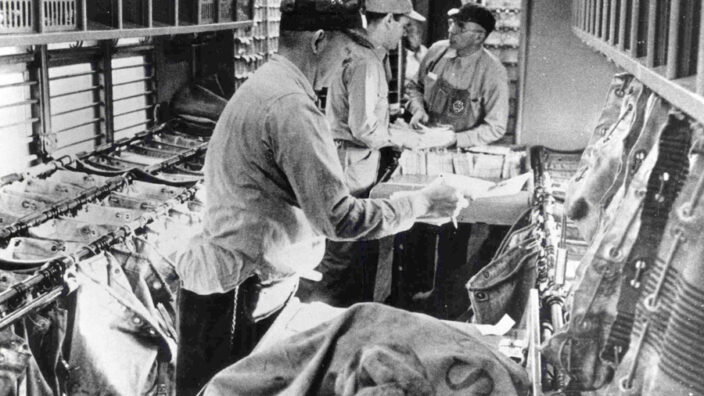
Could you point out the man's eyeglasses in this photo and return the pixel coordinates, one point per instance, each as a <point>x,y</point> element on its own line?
<point>460,26</point>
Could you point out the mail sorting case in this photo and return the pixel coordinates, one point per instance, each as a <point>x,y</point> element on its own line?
<point>18,16</point>
<point>134,12</point>
<point>197,11</point>
<point>226,10</point>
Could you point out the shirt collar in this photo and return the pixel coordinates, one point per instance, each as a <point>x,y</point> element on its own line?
<point>378,50</point>
<point>297,74</point>
<point>452,53</point>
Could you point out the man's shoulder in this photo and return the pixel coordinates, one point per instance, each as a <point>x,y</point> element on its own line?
<point>436,51</point>
<point>278,93</point>
<point>492,61</point>
<point>360,60</point>
<point>438,47</point>
<point>359,55</point>
<point>270,85</point>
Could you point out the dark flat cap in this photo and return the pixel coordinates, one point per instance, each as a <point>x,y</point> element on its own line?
<point>476,13</point>
<point>301,15</point>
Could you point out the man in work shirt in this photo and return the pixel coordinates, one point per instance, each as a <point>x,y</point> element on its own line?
<point>357,109</point>
<point>275,190</point>
<point>462,84</point>
<point>415,50</point>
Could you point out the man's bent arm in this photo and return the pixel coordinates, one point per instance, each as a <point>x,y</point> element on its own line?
<point>303,148</point>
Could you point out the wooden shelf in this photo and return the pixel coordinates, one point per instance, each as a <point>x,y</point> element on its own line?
<point>103,32</point>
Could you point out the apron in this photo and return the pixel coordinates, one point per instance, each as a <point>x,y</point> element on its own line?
<point>449,105</point>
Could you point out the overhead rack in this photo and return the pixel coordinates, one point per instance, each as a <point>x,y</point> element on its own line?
<point>658,41</point>
<point>37,22</point>
<point>52,280</point>
<point>71,204</point>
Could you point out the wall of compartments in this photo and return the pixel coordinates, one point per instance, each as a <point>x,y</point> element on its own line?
<point>43,21</point>
<point>505,43</point>
<point>59,99</point>
<point>658,41</point>
<point>255,45</point>
<point>87,74</point>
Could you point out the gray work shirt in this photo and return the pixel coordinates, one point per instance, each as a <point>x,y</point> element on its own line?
<point>357,105</point>
<point>275,188</point>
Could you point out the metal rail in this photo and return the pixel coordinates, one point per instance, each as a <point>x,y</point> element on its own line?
<point>49,283</point>
<point>663,47</point>
<point>551,268</point>
<point>72,204</point>
<point>102,32</point>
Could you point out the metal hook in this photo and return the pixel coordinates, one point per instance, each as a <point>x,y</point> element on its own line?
<point>640,266</point>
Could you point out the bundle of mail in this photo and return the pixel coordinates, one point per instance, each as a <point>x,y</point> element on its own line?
<point>489,162</point>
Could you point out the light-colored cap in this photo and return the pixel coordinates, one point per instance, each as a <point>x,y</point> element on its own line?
<point>404,7</point>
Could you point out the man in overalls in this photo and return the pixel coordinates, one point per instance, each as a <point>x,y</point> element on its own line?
<point>462,84</point>
<point>357,109</point>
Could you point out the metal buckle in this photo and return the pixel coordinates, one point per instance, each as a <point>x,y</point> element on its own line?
<point>625,385</point>
<point>659,196</point>
<point>650,303</point>
<point>638,158</point>
<point>640,266</point>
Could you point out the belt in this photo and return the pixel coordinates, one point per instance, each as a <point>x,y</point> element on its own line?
<point>579,348</point>
<point>664,185</point>
<point>347,144</point>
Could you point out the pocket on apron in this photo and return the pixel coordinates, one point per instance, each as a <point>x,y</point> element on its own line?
<point>440,99</point>
<point>462,109</point>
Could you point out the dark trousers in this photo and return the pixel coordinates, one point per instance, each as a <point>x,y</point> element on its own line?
<point>208,342</point>
<point>349,271</point>
<point>433,263</point>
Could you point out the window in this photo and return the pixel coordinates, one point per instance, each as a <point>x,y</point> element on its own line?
<point>18,110</point>
<point>133,93</point>
<point>76,107</point>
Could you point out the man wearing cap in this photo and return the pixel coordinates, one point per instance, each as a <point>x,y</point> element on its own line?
<point>462,84</point>
<point>275,189</point>
<point>357,102</point>
<point>357,109</point>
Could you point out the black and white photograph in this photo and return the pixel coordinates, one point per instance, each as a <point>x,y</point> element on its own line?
<point>351,197</point>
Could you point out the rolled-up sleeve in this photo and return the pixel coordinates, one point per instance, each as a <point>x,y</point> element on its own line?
<point>495,101</point>
<point>303,149</point>
<point>366,122</point>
